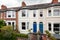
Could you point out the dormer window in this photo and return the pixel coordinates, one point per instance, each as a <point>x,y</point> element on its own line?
<point>56,12</point>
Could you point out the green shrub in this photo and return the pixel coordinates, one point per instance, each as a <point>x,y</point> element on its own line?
<point>2,23</point>
<point>8,34</point>
<point>21,35</point>
<point>50,36</point>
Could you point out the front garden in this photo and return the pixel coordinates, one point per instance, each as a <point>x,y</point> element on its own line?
<point>7,32</point>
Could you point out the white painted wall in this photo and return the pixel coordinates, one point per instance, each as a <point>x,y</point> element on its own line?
<point>45,19</point>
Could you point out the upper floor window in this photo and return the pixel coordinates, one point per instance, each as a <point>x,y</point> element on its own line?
<point>34,13</point>
<point>11,14</point>
<point>56,12</point>
<point>23,13</point>
<point>49,12</point>
<point>41,13</point>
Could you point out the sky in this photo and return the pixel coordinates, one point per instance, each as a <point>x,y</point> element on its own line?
<point>16,3</point>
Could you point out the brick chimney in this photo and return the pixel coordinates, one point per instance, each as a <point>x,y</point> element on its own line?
<point>23,4</point>
<point>54,1</point>
<point>3,7</point>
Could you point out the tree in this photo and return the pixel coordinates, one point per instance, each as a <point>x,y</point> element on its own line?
<point>50,36</point>
<point>2,23</point>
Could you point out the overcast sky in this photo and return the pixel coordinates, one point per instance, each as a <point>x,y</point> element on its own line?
<point>16,3</point>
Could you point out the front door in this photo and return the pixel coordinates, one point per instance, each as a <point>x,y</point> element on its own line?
<point>41,27</point>
<point>34,27</point>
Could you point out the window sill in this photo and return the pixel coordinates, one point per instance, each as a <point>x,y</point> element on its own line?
<point>53,16</point>
<point>10,17</point>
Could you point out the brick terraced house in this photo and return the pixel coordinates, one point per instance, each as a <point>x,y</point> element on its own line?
<point>39,17</point>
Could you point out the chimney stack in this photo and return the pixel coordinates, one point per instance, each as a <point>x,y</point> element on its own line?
<point>3,7</point>
<point>23,4</point>
<point>54,1</point>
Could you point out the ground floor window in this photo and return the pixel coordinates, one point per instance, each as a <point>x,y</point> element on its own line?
<point>27,25</point>
<point>56,27</point>
<point>11,23</point>
<point>23,25</point>
<point>49,26</point>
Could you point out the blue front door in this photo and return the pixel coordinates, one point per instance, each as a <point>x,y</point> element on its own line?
<point>34,27</point>
<point>41,27</point>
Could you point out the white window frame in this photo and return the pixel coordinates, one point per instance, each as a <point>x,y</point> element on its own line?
<point>11,13</point>
<point>34,12</point>
<point>52,31</point>
<point>56,15</point>
<point>41,10</point>
<point>11,23</point>
<point>52,10</point>
<point>59,27</point>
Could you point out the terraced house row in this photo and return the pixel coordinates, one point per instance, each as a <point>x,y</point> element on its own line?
<point>39,17</point>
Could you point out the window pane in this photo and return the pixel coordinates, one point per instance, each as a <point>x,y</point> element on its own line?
<point>49,12</point>
<point>49,25</point>
<point>27,25</point>
<point>9,15</point>
<point>9,23</point>
<point>56,27</point>
<point>13,25</point>
<point>34,13</point>
<point>56,12</point>
<point>13,14</point>
<point>23,13</point>
<point>23,25</point>
<point>41,15</point>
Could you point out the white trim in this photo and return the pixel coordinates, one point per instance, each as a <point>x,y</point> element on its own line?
<point>11,13</point>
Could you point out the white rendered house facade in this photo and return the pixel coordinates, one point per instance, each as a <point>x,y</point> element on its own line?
<point>39,18</point>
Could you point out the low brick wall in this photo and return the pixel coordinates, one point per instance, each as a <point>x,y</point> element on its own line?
<point>18,38</point>
<point>34,36</point>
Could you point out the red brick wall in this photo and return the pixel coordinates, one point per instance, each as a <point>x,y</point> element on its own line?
<point>3,7</point>
<point>17,20</point>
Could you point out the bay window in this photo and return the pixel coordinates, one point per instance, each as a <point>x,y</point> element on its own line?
<point>11,14</point>
<point>56,27</point>
<point>56,12</point>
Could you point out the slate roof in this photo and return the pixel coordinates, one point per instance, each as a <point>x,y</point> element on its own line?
<point>42,6</point>
<point>32,7</point>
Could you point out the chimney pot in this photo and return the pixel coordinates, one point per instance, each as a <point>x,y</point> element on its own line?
<point>54,1</point>
<point>23,4</point>
<point>3,7</point>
